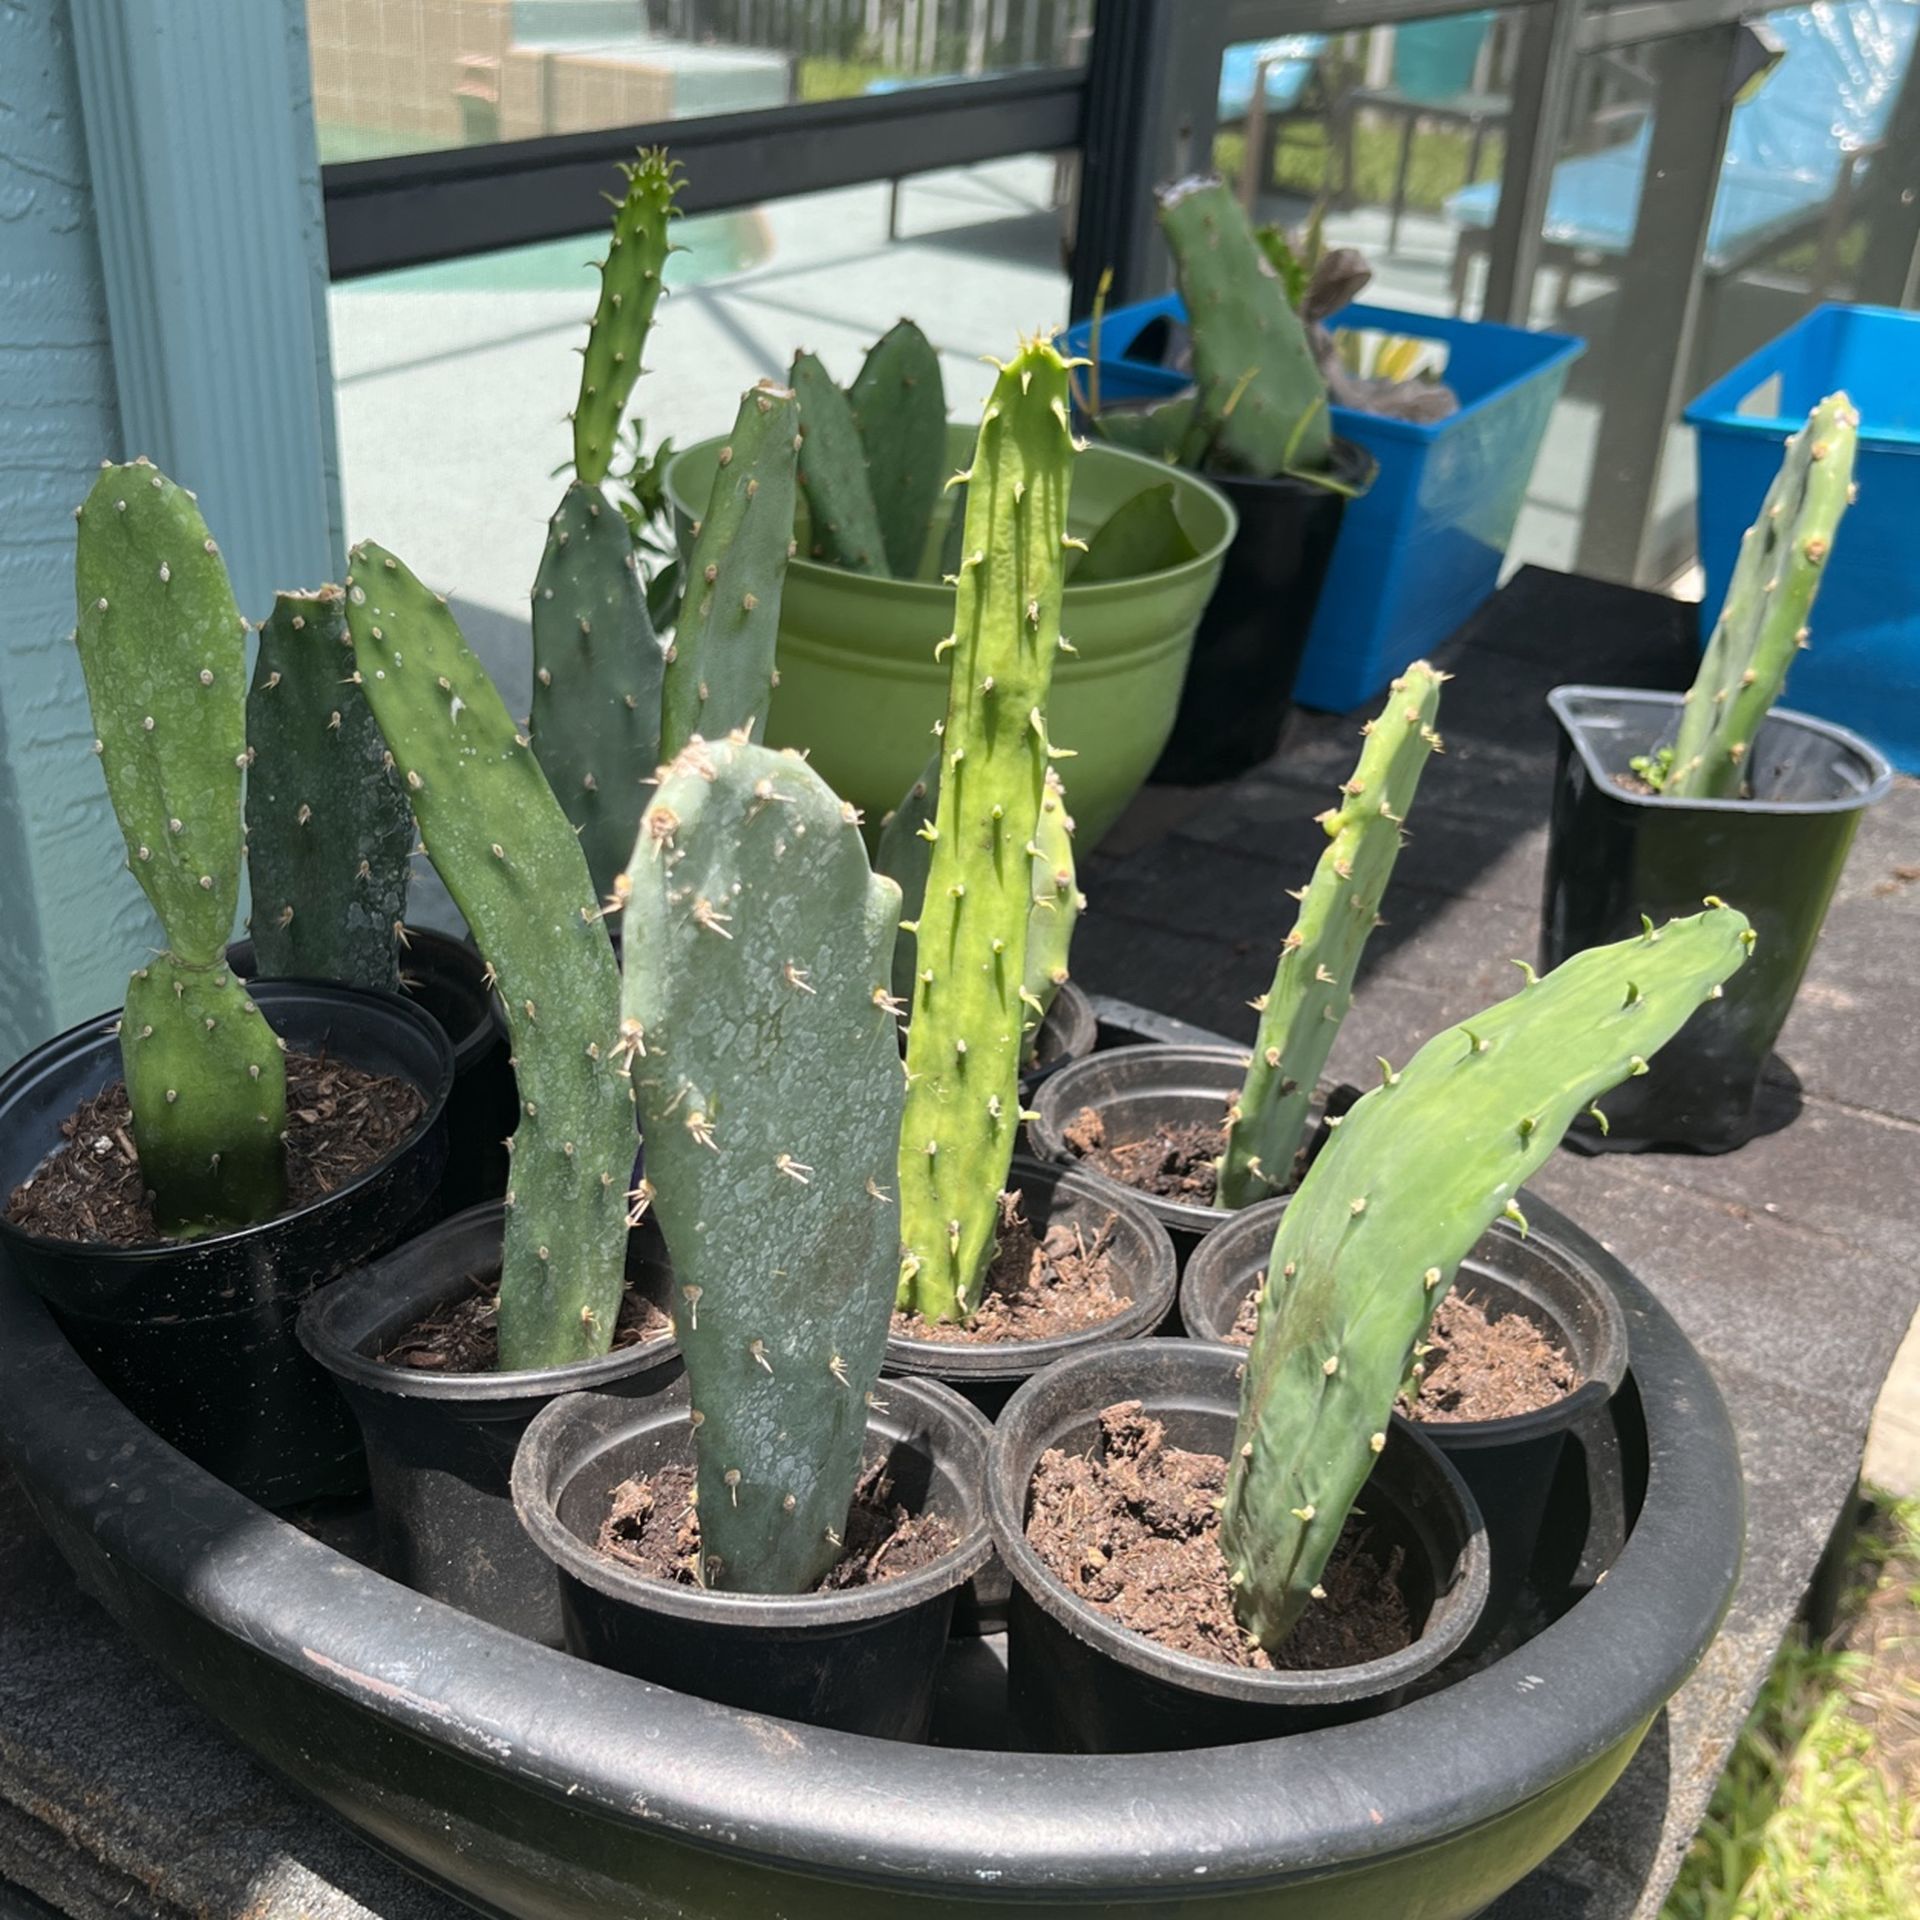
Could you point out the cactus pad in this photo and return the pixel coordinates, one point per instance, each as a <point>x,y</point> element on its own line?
<point>900,407</point>
<point>841,512</point>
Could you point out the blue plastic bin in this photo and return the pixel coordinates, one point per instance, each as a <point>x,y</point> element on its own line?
<point>1422,548</point>
<point>1862,667</point>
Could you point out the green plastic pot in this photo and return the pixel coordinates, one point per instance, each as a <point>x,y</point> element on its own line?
<point>860,689</point>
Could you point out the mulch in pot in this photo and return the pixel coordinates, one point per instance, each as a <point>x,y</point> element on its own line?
<point>1135,1534</point>
<point>463,1336</point>
<point>653,1528</point>
<point>1039,1285</point>
<point>341,1122</point>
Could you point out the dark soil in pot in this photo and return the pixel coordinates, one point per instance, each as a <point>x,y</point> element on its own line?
<point>1133,1440</point>
<point>411,1342</point>
<point>859,1658</point>
<point>197,1336</point>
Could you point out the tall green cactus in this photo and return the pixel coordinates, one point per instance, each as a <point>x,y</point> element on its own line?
<point>841,511</point>
<point>499,840</point>
<point>163,648</point>
<point>900,407</point>
<point>1301,1012</point>
<point>969,993</point>
<point>1368,1245</point>
<point>720,673</point>
<point>630,286</point>
<point>329,833</point>
<point>1763,620</point>
<point>765,1061</point>
<point>1260,395</point>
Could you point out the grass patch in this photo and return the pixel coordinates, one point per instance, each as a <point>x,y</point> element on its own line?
<point>1818,1814</point>
<point>822,78</point>
<point>1308,165</point>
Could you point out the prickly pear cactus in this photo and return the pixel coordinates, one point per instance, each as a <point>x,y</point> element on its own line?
<point>720,674</point>
<point>969,993</point>
<point>764,1058</point>
<point>1142,535</point>
<point>629,292</point>
<point>1369,1244</point>
<point>499,840</point>
<point>163,648</point>
<point>1300,1014</point>
<point>598,669</point>
<point>900,407</point>
<point>328,829</point>
<point>1763,621</point>
<point>1258,387</point>
<point>841,511</point>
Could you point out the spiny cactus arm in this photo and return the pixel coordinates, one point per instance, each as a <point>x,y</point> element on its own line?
<point>1763,620</point>
<point>630,286</point>
<point>969,999</point>
<point>720,673</point>
<point>1370,1242</point>
<point>1259,390</point>
<point>598,668</point>
<point>1142,535</point>
<point>1301,1012</point>
<point>900,408</point>
<point>208,1088</point>
<point>765,1061</point>
<point>498,839</point>
<point>841,511</point>
<point>329,833</point>
<point>163,648</point>
<point>1057,901</point>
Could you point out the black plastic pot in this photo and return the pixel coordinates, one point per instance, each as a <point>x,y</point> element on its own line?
<point>859,1661</point>
<point>1247,651</point>
<point>440,1445</point>
<point>197,1336</point>
<point>1081,1682</point>
<point>1509,1465</point>
<point>448,979</point>
<point>1123,1023</point>
<point>1069,1032</point>
<point>1613,855</point>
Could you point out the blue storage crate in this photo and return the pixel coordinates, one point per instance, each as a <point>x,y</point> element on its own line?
<point>1862,667</point>
<point>1423,547</point>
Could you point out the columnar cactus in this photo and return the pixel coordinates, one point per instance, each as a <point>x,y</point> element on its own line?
<point>900,407</point>
<point>499,840</point>
<point>163,648</point>
<point>328,830</point>
<point>1301,1012</point>
<point>1260,394</point>
<point>841,512</point>
<point>720,673</point>
<point>1369,1244</point>
<point>763,1055</point>
<point>1763,620</point>
<point>969,991</point>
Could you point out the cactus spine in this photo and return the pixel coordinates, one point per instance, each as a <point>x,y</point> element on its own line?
<point>765,1060</point>
<point>499,840</point>
<point>1261,400</point>
<point>900,408</point>
<point>1301,1012</point>
<point>1367,1247</point>
<point>842,515</point>
<point>328,829</point>
<point>970,997</point>
<point>1763,621</point>
<point>720,673</point>
<point>163,648</point>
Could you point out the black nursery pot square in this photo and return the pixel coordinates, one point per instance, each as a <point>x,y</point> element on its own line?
<point>1614,854</point>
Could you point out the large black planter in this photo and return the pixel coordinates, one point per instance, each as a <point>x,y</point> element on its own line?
<point>537,1786</point>
<point>197,1336</point>
<point>1247,651</point>
<point>440,1445</point>
<point>1613,855</point>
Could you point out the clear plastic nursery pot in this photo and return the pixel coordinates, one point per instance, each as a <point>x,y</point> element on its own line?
<point>537,1786</point>
<point>1509,1465</point>
<point>861,690</point>
<point>440,1445</point>
<point>1614,854</point>
<point>861,1660</point>
<point>197,1336</point>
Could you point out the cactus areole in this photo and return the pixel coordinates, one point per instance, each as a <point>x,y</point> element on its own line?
<point>1369,1244</point>
<point>970,997</point>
